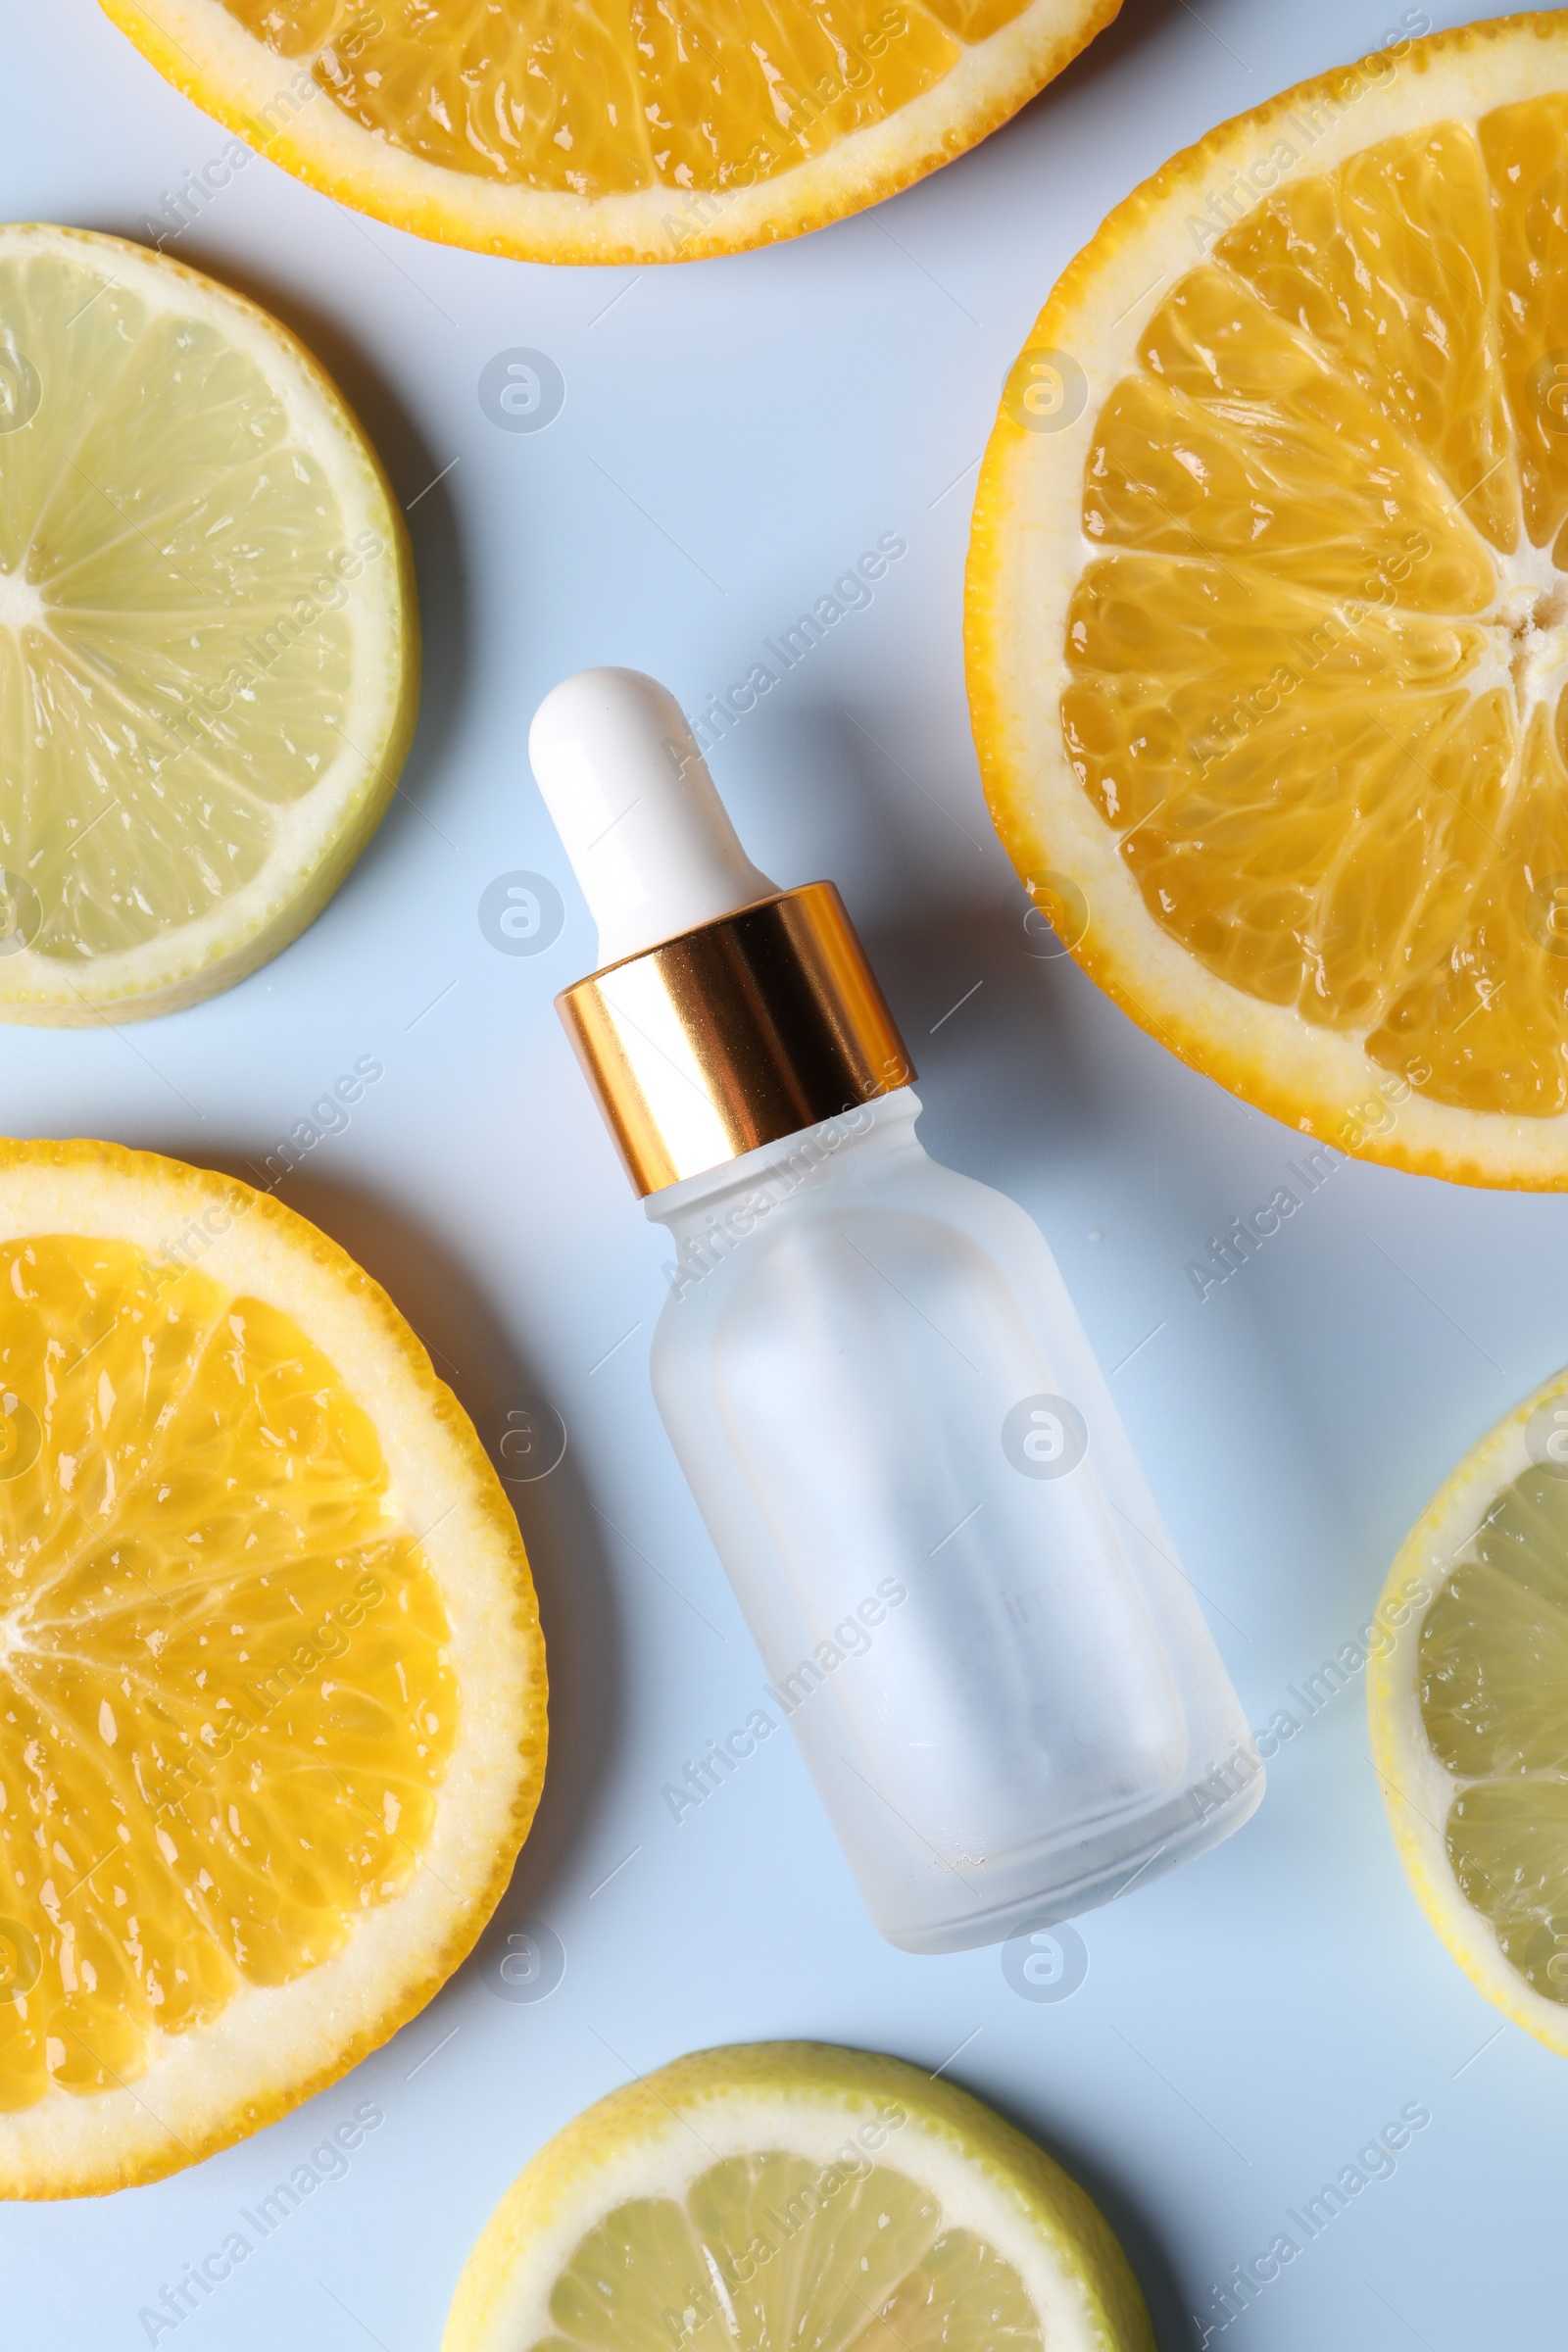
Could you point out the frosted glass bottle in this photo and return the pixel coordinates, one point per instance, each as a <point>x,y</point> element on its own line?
<point>876,1384</point>
<point>966,1602</point>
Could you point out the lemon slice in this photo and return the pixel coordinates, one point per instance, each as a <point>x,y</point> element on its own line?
<point>1268,605</point>
<point>790,2194</point>
<point>208,635</point>
<point>1468,1691</point>
<point>650,130</point>
<point>272,1684</point>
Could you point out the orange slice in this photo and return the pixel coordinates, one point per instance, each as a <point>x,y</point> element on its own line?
<point>1268,606</point>
<point>642,131</point>
<point>271,1683</point>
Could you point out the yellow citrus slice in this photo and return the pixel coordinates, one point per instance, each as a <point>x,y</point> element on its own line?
<point>642,131</point>
<point>1468,1689</point>
<point>209,645</point>
<point>271,1683</point>
<point>1268,606</point>
<point>791,2195</point>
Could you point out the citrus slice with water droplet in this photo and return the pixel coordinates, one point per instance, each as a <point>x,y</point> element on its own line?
<point>209,643</point>
<point>1268,605</point>
<point>271,1681</point>
<point>788,2194</point>
<point>635,134</point>
<point>1468,1689</point>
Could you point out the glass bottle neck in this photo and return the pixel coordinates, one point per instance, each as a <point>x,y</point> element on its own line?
<point>775,1172</point>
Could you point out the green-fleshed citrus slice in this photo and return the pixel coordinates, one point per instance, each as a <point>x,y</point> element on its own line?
<point>1469,1698</point>
<point>209,643</point>
<point>790,2194</point>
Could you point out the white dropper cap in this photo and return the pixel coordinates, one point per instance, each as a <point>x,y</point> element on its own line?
<point>649,838</point>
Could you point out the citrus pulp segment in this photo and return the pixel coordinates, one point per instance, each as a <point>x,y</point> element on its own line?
<point>1468,1691</point>
<point>1268,605</point>
<point>271,1683</point>
<point>639,131</point>
<point>208,644</point>
<point>788,2194</point>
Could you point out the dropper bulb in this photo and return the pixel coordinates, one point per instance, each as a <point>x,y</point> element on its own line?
<point>650,840</point>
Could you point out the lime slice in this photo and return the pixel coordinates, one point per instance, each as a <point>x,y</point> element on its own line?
<point>1468,1689</point>
<point>208,646</point>
<point>786,2195</point>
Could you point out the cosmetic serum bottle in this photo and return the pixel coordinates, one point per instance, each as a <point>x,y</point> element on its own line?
<point>877,1386</point>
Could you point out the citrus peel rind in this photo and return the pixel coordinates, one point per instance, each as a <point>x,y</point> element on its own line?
<point>273,1697</point>
<point>1270,895</point>
<point>1512,1666</point>
<point>821,2194</point>
<point>933,94</point>
<point>208,633</point>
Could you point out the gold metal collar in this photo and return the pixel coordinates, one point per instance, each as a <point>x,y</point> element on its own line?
<point>736,1034</point>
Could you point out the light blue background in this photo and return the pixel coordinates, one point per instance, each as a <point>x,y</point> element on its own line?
<point>734,434</point>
